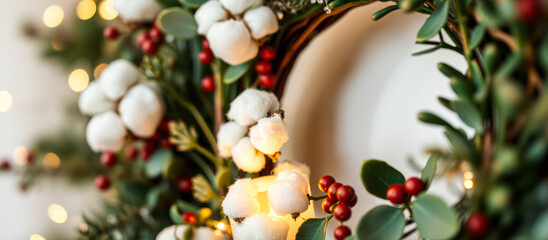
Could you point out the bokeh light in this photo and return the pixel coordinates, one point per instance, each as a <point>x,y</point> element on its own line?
<point>86,9</point>
<point>5,101</point>
<point>99,69</point>
<point>57,213</point>
<point>36,237</point>
<point>78,80</point>
<point>21,155</point>
<point>106,10</point>
<point>468,175</point>
<point>51,160</point>
<point>468,184</point>
<point>53,16</point>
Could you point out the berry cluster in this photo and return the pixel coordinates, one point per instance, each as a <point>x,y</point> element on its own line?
<point>159,139</point>
<point>264,66</point>
<point>398,194</point>
<point>340,198</point>
<point>150,41</point>
<point>206,57</point>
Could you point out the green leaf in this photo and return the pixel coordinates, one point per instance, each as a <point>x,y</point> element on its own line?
<point>462,87</point>
<point>434,23</point>
<point>158,162</point>
<point>168,3</point>
<point>477,35</point>
<point>233,73</point>
<point>446,103</point>
<point>224,178</point>
<point>451,72</point>
<point>383,12</point>
<point>434,219</point>
<point>187,207</point>
<point>411,5</point>
<point>540,227</point>
<point>189,233</point>
<point>193,3</point>
<point>381,223</point>
<point>174,169</point>
<point>431,118</point>
<point>178,22</point>
<point>175,215</point>
<point>377,177</point>
<point>429,171</point>
<point>469,114</point>
<point>312,229</point>
<point>155,193</point>
<point>460,144</point>
<point>490,56</point>
<point>426,51</point>
<point>543,53</point>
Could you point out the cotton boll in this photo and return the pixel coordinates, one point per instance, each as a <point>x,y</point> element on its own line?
<point>117,77</point>
<point>237,7</point>
<point>142,110</point>
<point>229,135</point>
<point>93,100</point>
<point>301,168</point>
<point>269,135</point>
<point>209,13</point>
<point>288,194</point>
<point>261,21</point>
<point>106,131</point>
<point>206,233</point>
<point>295,177</point>
<point>261,227</point>
<point>172,232</point>
<point>138,10</point>
<point>230,40</point>
<point>241,200</point>
<point>246,157</point>
<point>252,105</point>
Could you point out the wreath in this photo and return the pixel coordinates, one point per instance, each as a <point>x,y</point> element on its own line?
<point>192,92</point>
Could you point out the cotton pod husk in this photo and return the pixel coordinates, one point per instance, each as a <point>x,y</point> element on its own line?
<point>208,14</point>
<point>142,110</point>
<point>94,101</point>
<point>237,7</point>
<point>229,134</point>
<point>269,134</point>
<point>117,77</point>
<point>231,41</point>
<point>138,10</point>
<point>288,194</point>
<point>106,131</point>
<point>261,227</point>
<point>252,105</point>
<point>261,21</point>
<point>241,199</point>
<point>299,167</point>
<point>246,157</point>
<point>172,232</point>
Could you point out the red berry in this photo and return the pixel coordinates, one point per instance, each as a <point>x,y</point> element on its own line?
<point>332,190</point>
<point>130,153</point>
<point>142,38</point>
<point>189,217</point>
<point>185,185</point>
<point>396,194</point>
<point>164,126</point>
<point>145,155</point>
<point>263,67</point>
<point>165,143</point>
<point>342,212</point>
<point>353,202</point>
<point>5,165</point>
<point>325,182</point>
<point>108,159</point>
<point>102,182</point>
<point>345,194</point>
<point>341,232</point>
<point>208,84</point>
<point>528,10</point>
<point>413,186</point>
<point>205,44</point>
<point>150,47</point>
<point>156,24</point>
<point>477,225</point>
<point>30,157</point>
<point>156,35</point>
<point>205,57</point>
<point>156,137</point>
<point>268,52</point>
<point>111,33</point>
<point>267,80</point>
<point>327,203</point>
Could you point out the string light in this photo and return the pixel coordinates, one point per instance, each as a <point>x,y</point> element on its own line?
<point>21,155</point>
<point>5,101</point>
<point>53,16</point>
<point>57,213</point>
<point>468,181</point>
<point>221,226</point>
<point>468,184</point>
<point>86,9</point>
<point>106,10</point>
<point>36,237</point>
<point>51,160</point>
<point>78,80</point>
<point>99,69</point>
<point>468,175</point>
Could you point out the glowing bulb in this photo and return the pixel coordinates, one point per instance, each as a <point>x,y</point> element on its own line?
<point>221,226</point>
<point>78,80</point>
<point>106,10</point>
<point>51,160</point>
<point>5,101</point>
<point>468,175</point>
<point>53,16</point>
<point>218,233</point>
<point>36,237</point>
<point>468,184</point>
<point>57,213</point>
<point>86,9</point>
<point>99,69</point>
<point>21,155</point>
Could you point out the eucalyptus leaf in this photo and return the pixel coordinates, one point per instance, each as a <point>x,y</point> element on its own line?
<point>178,22</point>
<point>451,72</point>
<point>434,23</point>
<point>469,114</point>
<point>377,176</point>
<point>463,88</point>
<point>158,162</point>
<point>381,223</point>
<point>233,73</point>
<point>175,215</point>
<point>434,219</point>
<point>193,3</point>
<point>312,229</point>
<point>383,12</point>
<point>429,171</point>
<point>431,118</point>
<point>477,35</point>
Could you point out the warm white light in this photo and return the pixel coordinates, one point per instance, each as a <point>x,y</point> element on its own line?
<point>51,160</point>
<point>86,9</point>
<point>221,226</point>
<point>21,155</point>
<point>218,233</point>
<point>106,10</point>
<point>53,16</point>
<point>36,237</point>
<point>78,80</point>
<point>5,101</point>
<point>99,69</point>
<point>468,184</point>
<point>468,175</point>
<point>57,213</point>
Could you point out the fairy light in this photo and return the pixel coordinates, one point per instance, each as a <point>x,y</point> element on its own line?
<point>57,213</point>
<point>21,155</point>
<point>51,160</point>
<point>468,184</point>
<point>78,80</point>
<point>106,10</point>
<point>468,175</point>
<point>468,181</point>
<point>53,16</point>
<point>218,232</point>
<point>86,9</point>
<point>221,226</point>
<point>99,69</point>
<point>36,237</point>
<point>5,101</point>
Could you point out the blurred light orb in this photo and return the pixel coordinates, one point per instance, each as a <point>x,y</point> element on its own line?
<point>106,10</point>
<point>468,175</point>
<point>20,155</point>
<point>57,213</point>
<point>99,69</point>
<point>51,160</point>
<point>53,16</point>
<point>78,80</point>
<point>5,101</point>
<point>468,184</point>
<point>36,237</point>
<point>86,9</point>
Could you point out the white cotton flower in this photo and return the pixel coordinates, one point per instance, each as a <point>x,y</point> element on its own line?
<point>93,100</point>
<point>172,232</point>
<point>205,233</point>
<point>252,105</point>
<point>231,41</point>
<point>241,200</point>
<point>138,10</point>
<point>269,135</point>
<point>117,77</point>
<point>237,7</point>
<point>208,14</point>
<point>288,194</point>
<point>106,131</point>
<point>261,227</point>
<point>142,110</point>
<point>261,21</point>
<point>230,133</point>
<point>301,168</point>
<point>246,157</point>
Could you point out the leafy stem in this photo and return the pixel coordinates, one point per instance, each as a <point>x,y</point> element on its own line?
<point>203,165</point>
<point>462,21</point>
<point>207,154</point>
<point>318,198</point>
